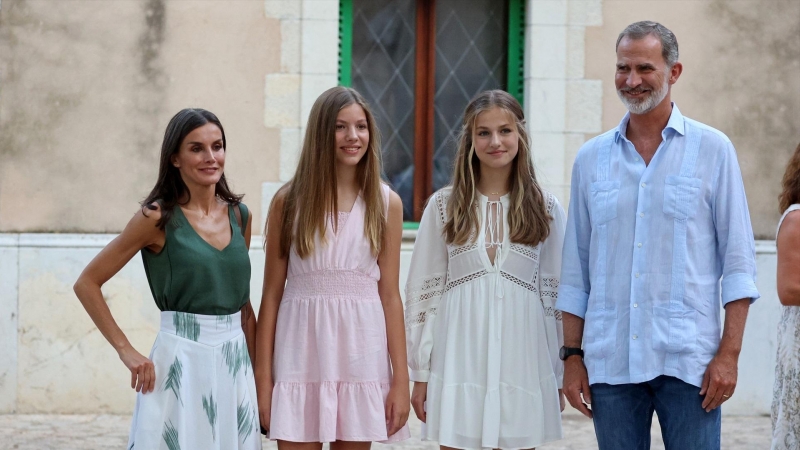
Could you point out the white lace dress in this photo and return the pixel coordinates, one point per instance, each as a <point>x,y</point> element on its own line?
<point>485,335</point>
<point>786,393</point>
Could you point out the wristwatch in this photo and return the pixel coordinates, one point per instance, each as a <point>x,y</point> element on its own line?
<point>566,352</point>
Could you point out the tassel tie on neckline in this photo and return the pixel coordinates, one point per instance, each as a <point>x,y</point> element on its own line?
<point>494,239</point>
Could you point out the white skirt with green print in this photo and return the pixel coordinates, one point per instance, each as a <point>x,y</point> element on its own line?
<point>205,393</point>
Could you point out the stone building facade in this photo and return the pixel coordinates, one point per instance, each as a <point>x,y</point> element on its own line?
<point>87,87</point>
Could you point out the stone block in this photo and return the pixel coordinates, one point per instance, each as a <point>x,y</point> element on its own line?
<point>584,111</point>
<point>548,157</point>
<point>585,12</point>
<point>290,45</point>
<point>9,316</point>
<point>547,47</point>
<point>320,47</point>
<point>546,12</point>
<point>281,100</point>
<point>282,9</point>
<point>572,144</point>
<point>291,145</point>
<point>320,9</point>
<point>65,364</point>
<point>575,53</point>
<point>268,191</point>
<point>312,86</point>
<point>545,105</point>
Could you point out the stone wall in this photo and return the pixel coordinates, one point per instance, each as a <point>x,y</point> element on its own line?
<point>53,359</point>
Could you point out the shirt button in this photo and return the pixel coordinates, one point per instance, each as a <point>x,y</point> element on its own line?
<point>635,337</point>
<point>639,245</point>
<point>635,305</point>
<point>637,275</point>
<point>641,214</point>
<point>644,184</point>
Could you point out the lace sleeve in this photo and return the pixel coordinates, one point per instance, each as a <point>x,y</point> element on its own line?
<point>421,299</point>
<point>549,278</point>
<point>427,278</point>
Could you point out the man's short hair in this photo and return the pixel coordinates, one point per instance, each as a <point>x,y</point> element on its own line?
<point>669,43</point>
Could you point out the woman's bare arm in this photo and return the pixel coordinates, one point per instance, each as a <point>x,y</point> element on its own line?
<point>398,403</point>
<point>140,232</point>
<point>789,260</point>
<point>275,267</point>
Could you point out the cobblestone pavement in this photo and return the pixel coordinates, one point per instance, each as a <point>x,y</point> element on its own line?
<point>89,432</point>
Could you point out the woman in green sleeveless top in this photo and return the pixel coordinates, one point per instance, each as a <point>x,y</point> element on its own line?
<point>196,390</point>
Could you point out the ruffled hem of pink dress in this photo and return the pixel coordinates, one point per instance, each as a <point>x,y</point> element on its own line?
<point>330,411</point>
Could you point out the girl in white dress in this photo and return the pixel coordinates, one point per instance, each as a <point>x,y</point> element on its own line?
<point>482,332</point>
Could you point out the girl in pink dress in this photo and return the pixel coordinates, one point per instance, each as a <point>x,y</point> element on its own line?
<point>331,358</point>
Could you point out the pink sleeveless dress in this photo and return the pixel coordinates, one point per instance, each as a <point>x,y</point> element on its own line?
<point>331,363</point>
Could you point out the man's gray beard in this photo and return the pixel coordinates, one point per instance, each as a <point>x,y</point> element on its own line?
<point>654,99</point>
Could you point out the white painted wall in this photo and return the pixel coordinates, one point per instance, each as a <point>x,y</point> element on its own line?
<point>53,359</point>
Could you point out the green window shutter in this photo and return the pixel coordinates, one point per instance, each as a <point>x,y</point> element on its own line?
<point>345,42</point>
<point>516,49</point>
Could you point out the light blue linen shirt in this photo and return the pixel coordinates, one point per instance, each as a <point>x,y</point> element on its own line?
<point>646,247</point>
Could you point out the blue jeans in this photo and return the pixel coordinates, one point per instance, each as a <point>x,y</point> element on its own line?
<point>623,415</point>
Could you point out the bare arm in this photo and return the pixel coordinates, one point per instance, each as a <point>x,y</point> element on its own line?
<point>398,403</point>
<point>140,232</point>
<point>275,268</point>
<point>573,330</point>
<point>722,372</point>
<point>251,319</point>
<point>789,260</point>
<point>576,379</point>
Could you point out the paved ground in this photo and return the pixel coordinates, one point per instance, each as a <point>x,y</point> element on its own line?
<point>82,432</point>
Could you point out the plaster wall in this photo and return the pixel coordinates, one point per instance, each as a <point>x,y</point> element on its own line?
<point>741,60</point>
<point>88,88</point>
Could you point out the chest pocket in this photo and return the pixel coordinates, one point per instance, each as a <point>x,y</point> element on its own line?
<point>681,196</point>
<point>605,196</point>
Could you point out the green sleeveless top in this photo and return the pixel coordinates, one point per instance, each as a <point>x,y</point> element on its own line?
<point>189,275</point>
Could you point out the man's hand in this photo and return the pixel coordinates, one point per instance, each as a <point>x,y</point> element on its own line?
<point>722,372</point>
<point>719,381</point>
<point>576,385</point>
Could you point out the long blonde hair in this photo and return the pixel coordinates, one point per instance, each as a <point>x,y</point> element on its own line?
<point>311,200</point>
<point>528,219</point>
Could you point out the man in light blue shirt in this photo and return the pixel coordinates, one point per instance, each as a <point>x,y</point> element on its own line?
<point>657,217</point>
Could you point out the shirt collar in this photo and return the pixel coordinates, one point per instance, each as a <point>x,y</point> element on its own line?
<point>676,122</point>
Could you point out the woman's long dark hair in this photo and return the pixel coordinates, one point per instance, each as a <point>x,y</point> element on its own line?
<point>170,188</point>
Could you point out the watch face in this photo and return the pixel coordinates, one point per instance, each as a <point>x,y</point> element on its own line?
<point>562,353</point>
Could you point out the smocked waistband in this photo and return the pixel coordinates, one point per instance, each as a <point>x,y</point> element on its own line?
<point>331,283</point>
<point>205,329</point>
